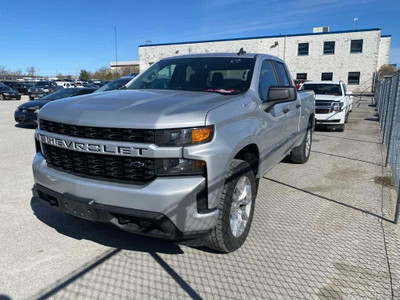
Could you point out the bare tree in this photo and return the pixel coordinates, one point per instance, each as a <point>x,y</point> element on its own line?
<point>386,70</point>
<point>3,71</point>
<point>31,71</point>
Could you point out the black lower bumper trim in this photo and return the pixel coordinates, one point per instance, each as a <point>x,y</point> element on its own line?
<point>131,220</point>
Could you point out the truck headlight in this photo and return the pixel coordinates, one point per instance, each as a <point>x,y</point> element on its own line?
<point>34,109</point>
<point>184,136</point>
<point>179,166</point>
<point>338,106</point>
<point>46,90</point>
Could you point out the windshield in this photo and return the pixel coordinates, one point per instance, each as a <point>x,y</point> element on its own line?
<point>323,89</point>
<point>5,88</point>
<point>61,94</point>
<point>225,75</point>
<point>41,84</point>
<point>114,85</point>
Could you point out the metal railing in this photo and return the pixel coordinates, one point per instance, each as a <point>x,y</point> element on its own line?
<point>387,98</point>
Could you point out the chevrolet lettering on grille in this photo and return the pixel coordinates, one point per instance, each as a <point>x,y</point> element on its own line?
<point>91,147</point>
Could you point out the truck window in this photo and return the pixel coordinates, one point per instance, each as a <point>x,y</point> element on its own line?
<point>267,79</point>
<point>217,74</point>
<point>323,89</point>
<point>283,77</point>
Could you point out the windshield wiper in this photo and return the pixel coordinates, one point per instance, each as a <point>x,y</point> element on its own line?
<point>223,91</point>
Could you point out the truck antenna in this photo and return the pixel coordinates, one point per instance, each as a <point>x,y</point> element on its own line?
<point>241,51</point>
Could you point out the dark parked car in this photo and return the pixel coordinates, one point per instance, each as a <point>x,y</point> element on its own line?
<point>27,112</point>
<point>115,84</point>
<point>7,93</point>
<point>22,87</point>
<point>8,83</point>
<point>42,88</point>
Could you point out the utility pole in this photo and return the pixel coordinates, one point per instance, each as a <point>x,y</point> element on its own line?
<point>116,47</point>
<point>355,23</point>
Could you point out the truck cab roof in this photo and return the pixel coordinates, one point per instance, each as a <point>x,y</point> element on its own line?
<point>225,54</point>
<point>323,82</point>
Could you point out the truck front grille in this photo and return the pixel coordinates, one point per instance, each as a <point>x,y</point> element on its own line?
<point>323,106</point>
<point>99,133</point>
<point>99,166</point>
<point>322,111</point>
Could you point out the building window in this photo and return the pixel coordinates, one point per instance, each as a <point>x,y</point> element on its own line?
<point>327,76</point>
<point>356,46</point>
<point>329,47</point>
<point>354,78</point>
<point>301,76</point>
<point>303,49</point>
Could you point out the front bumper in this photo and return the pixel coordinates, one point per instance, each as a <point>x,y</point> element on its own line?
<point>13,96</point>
<point>37,95</point>
<point>25,117</point>
<point>333,118</point>
<point>166,200</point>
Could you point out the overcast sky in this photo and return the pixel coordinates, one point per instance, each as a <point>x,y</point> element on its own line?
<point>64,37</point>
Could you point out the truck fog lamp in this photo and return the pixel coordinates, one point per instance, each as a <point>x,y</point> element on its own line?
<point>179,166</point>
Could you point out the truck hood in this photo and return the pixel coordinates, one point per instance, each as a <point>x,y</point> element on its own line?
<point>328,97</point>
<point>148,109</point>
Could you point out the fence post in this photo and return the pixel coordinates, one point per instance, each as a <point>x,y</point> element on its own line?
<point>394,94</point>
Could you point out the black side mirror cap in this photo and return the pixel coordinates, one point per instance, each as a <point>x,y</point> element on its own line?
<point>279,94</point>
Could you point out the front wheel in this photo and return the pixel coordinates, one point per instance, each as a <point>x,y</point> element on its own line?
<point>340,128</point>
<point>301,154</point>
<point>236,208</point>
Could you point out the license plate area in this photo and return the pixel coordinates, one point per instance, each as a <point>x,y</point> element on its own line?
<point>80,209</point>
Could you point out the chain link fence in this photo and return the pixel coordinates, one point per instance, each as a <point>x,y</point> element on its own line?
<point>387,98</point>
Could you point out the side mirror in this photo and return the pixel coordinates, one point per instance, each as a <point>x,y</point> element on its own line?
<point>281,94</point>
<point>349,93</point>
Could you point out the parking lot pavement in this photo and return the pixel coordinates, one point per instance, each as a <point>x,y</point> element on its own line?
<point>321,230</point>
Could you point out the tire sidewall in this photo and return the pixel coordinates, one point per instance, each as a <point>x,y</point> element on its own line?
<point>306,157</point>
<point>231,242</point>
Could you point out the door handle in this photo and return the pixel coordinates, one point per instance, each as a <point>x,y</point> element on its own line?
<point>286,110</point>
<point>298,105</point>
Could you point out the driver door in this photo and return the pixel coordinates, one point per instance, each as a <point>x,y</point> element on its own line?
<point>273,120</point>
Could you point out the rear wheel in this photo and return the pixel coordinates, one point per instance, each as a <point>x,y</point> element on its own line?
<point>236,208</point>
<point>301,154</point>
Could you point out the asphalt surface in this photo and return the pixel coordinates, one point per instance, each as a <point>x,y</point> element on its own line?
<point>320,231</point>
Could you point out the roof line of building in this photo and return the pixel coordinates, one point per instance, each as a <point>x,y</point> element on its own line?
<point>386,35</point>
<point>261,37</point>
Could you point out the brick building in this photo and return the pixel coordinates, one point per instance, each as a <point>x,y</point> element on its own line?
<point>351,56</point>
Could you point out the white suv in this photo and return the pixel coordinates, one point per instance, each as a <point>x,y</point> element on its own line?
<point>333,103</point>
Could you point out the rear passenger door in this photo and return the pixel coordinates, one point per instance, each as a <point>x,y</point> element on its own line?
<point>273,136</point>
<point>290,108</point>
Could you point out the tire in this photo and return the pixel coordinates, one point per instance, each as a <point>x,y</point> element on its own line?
<point>30,98</point>
<point>223,237</point>
<point>346,119</point>
<point>1,98</point>
<point>301,154</point>
<point>340,128</point>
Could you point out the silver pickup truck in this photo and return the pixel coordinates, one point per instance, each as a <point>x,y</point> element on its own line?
<point>179,152</point>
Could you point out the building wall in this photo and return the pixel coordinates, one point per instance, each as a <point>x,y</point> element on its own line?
<point>375,53</point>
<point>384,51</point>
